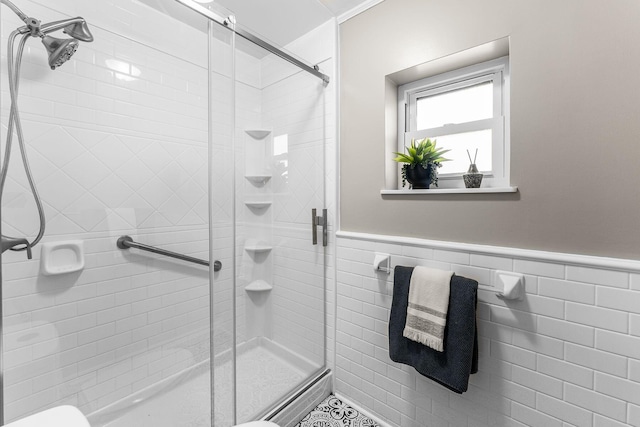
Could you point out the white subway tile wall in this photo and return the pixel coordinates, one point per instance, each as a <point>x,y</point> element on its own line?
<point>567,354</point>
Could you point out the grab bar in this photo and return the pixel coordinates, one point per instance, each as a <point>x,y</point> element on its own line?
<point>126,242</point>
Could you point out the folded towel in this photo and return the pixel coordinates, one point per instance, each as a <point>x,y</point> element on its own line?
<point>428,304</point>
<point>452,367</point>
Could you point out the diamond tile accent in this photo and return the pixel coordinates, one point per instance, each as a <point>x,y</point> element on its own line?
<point>60,224</point>
<point>141,208</point>
<point>87,170</point>
<point>14,195</point>
<point>57,146</point>
<point>174,209</point>
<point>59,190</point>
<point>155,157</point>
<point>135,173</point>
<point>202,210</point>
<point>112,152</point>
<point>20,212</point>
<point>31,128</point>
<point>155,192</point>
<point>191,193</point>
<point>40,166</point>
<point>135,144</point>
<point>192,159</point>
<point>173,176</point>
<point>112,191</point>
<point>191,218</point>
<point>155,220</point>
<point>87,212</point>
<point>86,137</point>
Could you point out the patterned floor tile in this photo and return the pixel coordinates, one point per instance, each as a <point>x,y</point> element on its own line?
<point>333,412</point>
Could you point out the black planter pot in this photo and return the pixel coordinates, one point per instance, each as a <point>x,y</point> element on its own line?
<point>418,176</point>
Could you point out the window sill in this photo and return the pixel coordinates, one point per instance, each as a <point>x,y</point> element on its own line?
<point>487,190</point>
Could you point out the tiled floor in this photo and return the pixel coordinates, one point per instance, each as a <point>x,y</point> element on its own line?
<point>333,412</point>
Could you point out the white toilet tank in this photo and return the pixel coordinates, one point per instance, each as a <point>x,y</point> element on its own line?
<point>60,416</point>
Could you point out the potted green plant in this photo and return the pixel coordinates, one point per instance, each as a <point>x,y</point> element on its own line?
<point>421,163</point>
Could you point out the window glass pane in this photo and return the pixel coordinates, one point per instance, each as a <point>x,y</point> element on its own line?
<point>459,144</point>
<point>458,106</point>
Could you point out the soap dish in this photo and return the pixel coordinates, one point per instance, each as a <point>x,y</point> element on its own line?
<point>61,257</point>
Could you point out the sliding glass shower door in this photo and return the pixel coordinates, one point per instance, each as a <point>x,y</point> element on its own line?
<point>118,140</point>
<point>280,281</point>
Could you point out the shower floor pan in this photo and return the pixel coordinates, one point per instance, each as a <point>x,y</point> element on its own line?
<point>266,373</point>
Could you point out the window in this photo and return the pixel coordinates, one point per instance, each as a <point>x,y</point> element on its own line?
<point>464,109</point>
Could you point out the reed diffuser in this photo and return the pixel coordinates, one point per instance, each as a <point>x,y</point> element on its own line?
<point>473,178</point>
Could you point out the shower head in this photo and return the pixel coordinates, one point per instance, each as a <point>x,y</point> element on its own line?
<point>60,50</point>
<point>79,30</point>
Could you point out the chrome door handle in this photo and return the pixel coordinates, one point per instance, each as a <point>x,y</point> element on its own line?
<point>314,227</point>
<point>315,222</point>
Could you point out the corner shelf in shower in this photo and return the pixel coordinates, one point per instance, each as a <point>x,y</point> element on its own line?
<point>256,204</point>
<point>257,133</point>
<point>258,286</point>
<point>258,179</point>
<point>258,248</point>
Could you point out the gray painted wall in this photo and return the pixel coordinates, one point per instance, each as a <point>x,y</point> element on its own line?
<point>575,122</point>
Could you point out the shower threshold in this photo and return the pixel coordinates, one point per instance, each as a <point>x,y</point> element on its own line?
<point>266,373</point>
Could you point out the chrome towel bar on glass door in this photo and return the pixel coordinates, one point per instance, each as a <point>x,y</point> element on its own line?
<point>126,242</point>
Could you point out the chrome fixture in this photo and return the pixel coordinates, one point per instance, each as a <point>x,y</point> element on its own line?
<point>315,222</point>
<point>126,242</point>
<point>230,23</point>
<point>59,52</point>
<point>79,30</point>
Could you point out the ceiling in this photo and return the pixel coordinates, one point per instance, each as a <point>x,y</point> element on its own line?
<point>277,21</point>
<point>338,7</point>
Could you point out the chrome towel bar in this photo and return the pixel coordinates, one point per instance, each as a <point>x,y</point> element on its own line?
<point>126,242</point>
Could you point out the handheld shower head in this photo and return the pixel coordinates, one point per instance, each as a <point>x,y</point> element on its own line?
<point>79,30</point>
<point>60,50</point>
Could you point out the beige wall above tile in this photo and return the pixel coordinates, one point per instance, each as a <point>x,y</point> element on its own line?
<point>575,105</point>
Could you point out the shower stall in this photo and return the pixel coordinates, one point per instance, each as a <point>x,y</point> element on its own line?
<point>184,167</point>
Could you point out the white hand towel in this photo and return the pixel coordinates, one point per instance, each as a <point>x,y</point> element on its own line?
<point>428,306</point>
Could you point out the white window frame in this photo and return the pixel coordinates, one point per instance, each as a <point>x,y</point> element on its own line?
<point>496,71</point>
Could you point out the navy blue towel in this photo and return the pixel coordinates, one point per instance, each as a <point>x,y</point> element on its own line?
<point>452,367</point>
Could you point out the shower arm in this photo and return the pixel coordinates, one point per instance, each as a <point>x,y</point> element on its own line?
<point>38,30</point>
<point>58,25</point>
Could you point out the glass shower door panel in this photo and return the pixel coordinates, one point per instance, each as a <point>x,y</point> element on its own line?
<point>221,208</point>
<point>117,139</point>
<point>280,283</point>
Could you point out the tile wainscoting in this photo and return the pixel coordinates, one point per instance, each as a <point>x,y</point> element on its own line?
<point>567,354</point>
